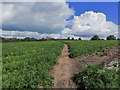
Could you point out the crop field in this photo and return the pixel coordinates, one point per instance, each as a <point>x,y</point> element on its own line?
<point>27,64</point>
<point>84,48</point>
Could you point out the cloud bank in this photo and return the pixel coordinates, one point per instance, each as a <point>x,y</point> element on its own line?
<point>23,34</point>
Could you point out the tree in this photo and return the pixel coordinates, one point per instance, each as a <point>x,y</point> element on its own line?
<point>79,38</point>
<point>118,38</point>
<point>72,38</point>
<point>111,37</point>
<point>102,39</point>
<point>95,37</point>
<point>68,38</point>
<point>27,39</point>
<point>43,39</point>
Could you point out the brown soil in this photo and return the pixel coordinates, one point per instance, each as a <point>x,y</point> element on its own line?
<point>67,67</point>
<point>63,71</point>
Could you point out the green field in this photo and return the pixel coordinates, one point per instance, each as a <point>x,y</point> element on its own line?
<point>27,64</point>
<point>84,48</point>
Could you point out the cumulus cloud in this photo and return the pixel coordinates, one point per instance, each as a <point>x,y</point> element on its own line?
<point>42,17</point>
<point>91,23</point>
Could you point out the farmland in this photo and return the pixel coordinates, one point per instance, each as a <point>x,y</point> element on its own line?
<point>84,48</point>
<point>27,64</point>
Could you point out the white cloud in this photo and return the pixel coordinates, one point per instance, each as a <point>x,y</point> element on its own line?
<point>36,19</point>
<point>7,36</point>
<point>0,15</point>
<point>23,34</point>
<point>66,31</point>
<point>33,1</point>
<point>91,23</point>
<point>43,17</point>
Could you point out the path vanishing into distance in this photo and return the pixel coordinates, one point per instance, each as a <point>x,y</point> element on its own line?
<point>67,67</point>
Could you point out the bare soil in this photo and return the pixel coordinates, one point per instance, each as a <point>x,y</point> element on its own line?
<point>63,71</point>
<point>67,67</point>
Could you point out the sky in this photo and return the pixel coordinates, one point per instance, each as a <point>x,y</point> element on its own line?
<point>110,9</point>
<point>59,19</point>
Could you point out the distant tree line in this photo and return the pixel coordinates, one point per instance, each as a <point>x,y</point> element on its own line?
<point>95,37</point>
<point>110,37</point>
<point>73,38</point>
<point>19,40</point>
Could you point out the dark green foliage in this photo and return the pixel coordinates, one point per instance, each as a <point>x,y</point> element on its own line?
<point>68,38</point>
<point>79,39</point>
<point>102,39</point>
<point>27,64</point>
<point>21,40</point>
<point>111,37</point>
<point>95,37</point>
<point>72,38</point>
<point>93,76</point>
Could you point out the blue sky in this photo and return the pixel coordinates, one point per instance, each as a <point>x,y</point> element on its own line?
<point>51,19</point>
<point>92,0</point>
<point>110,9</point>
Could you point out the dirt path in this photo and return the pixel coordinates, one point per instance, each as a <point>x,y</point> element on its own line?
<point>67,67</point>
<point>63,71</point>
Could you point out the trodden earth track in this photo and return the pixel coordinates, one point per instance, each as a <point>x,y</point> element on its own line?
<point>64,71</point>
<point>67,67</point>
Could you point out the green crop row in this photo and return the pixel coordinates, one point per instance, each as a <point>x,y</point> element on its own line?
<point>83,48</point>
<point>27,64</point>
